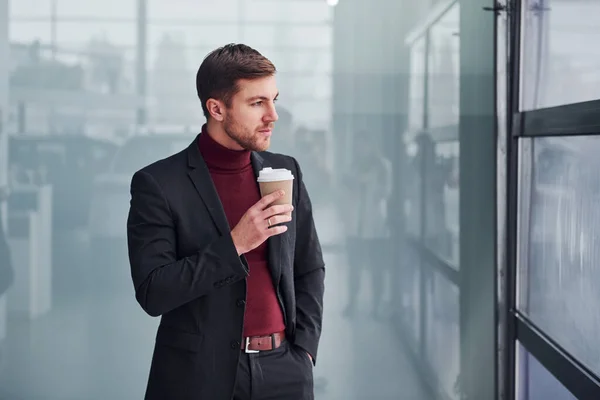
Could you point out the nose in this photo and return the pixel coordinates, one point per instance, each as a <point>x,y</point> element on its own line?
<point>272,115</point>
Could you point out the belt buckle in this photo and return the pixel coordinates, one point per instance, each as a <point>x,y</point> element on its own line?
<point>247,350</point>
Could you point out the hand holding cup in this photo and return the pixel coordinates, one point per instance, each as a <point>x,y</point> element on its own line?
<point>260,222</point>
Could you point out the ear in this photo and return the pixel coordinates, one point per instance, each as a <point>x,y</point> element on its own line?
<point>216,109</point>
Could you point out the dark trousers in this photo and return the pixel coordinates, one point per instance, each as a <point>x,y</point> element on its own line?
<point>285,373</point>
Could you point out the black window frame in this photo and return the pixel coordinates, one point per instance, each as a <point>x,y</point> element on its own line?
<point>577,119</point>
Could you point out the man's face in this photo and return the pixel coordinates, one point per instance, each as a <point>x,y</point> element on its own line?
<point>250,118</point>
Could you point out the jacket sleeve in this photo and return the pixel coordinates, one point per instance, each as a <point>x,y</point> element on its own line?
<point>309,274</point>
<point>162,281</point>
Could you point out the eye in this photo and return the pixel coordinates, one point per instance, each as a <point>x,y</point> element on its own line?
<point>257,103</point>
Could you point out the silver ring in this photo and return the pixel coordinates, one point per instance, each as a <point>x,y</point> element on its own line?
<point>269,222</point>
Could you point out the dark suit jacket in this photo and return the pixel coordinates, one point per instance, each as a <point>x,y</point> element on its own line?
<point>186,269</point>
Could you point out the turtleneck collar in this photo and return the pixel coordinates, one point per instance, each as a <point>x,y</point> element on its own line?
<point>219,157</point>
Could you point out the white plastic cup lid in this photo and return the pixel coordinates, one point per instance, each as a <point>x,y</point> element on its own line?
<point>269,174</point>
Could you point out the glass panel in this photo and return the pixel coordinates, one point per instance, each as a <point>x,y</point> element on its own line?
<point>412,294</point>
<point>443,340</point>
<point>197,36</point>
<point>317,111</point>
<point>417,86</point>
<point>534,382</point>
<point>438,144</point>
<point>73,8</point>
<point>310,12</point>
<point>305,61</point>
<point>557,64</point>
<point>30,8</point>
<point>558,274</point>
<point>26,32</point>
<point>431,190</point>
<point>441,198</point>
<point>192,12</point>
<point>376,186</point>
<point>317,36</point>
<point>413,196</point>
<point>432,194</point>
<point>68,8</point>
<point>444,72</point>
<point>73,35</point>
<point>304,86</point>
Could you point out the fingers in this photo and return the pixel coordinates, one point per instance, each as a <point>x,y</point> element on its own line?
<point>278,209</point>
<point>276,230</point>
<point>278,219</point>
<point>270,198</point>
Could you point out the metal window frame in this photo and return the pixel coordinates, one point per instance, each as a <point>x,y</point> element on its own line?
<point>577,119</point>
<point>568,120</point>
<point>571,373</point>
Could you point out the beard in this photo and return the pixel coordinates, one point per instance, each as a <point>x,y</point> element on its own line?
<point>247,138</point>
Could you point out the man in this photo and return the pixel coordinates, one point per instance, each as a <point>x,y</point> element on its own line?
<point>238,283</point>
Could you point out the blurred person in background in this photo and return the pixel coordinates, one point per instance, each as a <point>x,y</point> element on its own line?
<point>239,284</point>
<point>368,188</point>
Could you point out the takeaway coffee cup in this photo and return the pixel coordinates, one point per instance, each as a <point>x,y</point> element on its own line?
<point>271,180</point>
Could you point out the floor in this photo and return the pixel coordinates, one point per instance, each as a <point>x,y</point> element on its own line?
<point>97,344</point>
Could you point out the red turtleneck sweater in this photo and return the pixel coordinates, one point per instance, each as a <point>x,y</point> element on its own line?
<point>236,185</point>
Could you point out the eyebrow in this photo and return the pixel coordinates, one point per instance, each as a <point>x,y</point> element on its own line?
<point>262,97</point>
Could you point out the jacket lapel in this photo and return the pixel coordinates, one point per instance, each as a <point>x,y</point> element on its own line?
<point>203,182</point>
<point>274,243</point>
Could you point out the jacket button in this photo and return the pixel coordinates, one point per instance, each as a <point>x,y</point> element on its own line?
<point>241,303</point>
<point>235,344</point>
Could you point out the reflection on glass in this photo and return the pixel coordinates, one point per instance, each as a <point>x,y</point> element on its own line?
<point>417,85</point>
<point>431,195</point>
<point>444,73</point>
<point>70,197</point>
<point>442,195</point>
<point>557,64</point>
<point>409,283</point>
<point>534,382</point>
<point>559,287</point>
<point>84,312</point>
<point>432,201</point>
<point>443,341</point>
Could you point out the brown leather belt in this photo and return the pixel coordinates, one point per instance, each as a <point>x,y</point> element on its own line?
<point>254,344</point>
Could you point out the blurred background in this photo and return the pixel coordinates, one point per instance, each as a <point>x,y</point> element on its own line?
<point>398,112</point>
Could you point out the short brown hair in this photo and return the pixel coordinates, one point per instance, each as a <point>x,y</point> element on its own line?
<point>222,68</point>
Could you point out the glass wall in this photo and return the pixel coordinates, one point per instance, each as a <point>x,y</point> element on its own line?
<point>558,67</point>
<point>557,291</point>
<point>376,104</point>
<point>431,304</point>
<point>556,183</point>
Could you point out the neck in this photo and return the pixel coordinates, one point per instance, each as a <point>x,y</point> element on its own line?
<point>219,157</point>
<point>218,134</point>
